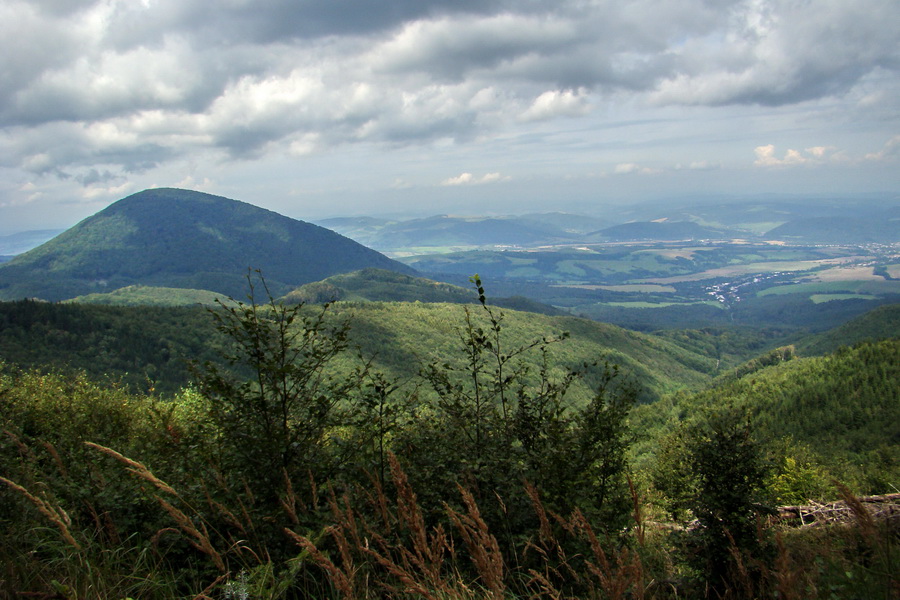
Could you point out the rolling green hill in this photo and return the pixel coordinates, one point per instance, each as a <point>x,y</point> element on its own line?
<point>877,324</point>
<point>878,228</point>
<point>403,335</point>
<point>183,239</point>
<point>844,407</point>
<point>150,344</point>
<point>378,285</point>
<point>661,231</point>
<point>142,295</point>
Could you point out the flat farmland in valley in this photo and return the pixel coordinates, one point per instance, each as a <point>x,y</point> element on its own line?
<point>739,270</point>
<point>869,287</point>
<point>639,288</point>
<point>660,304</point>
<point>820,298</point>
<point>849,273</point>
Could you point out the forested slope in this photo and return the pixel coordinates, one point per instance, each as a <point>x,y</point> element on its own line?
<point>150,346</point>
<point>184,239</point>
<point>844,408</point>
<point>879,323</point>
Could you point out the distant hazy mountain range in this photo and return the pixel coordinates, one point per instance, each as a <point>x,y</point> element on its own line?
<point>802,221</point>
<point>17,243</point>
<point>879,228</point>
<point>660,231</point>
<point>190,240</point>
<point>454,231</point>
<point>184,239</point>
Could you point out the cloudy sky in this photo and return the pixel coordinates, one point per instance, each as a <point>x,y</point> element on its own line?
<point>319,108</point>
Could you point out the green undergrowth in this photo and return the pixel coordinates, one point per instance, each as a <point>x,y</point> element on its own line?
<point>504,465</point>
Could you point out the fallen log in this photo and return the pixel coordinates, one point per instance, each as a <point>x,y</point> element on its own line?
<point>885,507</point>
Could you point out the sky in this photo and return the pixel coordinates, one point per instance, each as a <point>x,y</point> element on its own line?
<point>322,108</point>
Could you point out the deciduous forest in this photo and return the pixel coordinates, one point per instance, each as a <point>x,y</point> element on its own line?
<point>292,464</point>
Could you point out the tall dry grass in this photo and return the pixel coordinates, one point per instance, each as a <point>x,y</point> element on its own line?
<point>387,549</point>
<point>379,544</point>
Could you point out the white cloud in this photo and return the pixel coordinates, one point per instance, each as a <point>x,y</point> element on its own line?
<point>453,46</point>
<point>461,179</point>
<point>492,177</point>
<point>469,179</point>
<point>556,103</point>
<point>107,192</point>
<point>820,151</point>
<point>191,183</point>
<point>629,168</point>
<point>774,53</point>
<point>766,157</point>
<point>306,144</point>
<point>112,90</point>
<point>890,150</point>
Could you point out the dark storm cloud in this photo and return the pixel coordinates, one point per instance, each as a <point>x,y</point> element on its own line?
<point>93,176</point>
<point>282,21</point>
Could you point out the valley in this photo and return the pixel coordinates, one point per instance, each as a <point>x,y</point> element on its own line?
<point>449,300</point>
<point>191,374</point>
<point>704,263</point>
<point>620,282</point>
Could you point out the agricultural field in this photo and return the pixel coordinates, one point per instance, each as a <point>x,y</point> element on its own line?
<point>687,283</point>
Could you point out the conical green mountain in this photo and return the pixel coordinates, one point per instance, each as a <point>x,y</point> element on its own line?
<point>184,239</point>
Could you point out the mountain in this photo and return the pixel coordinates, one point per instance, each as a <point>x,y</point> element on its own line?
<point>378,285</point>
<point>443,231</point>
<point>757,214</point>
<point>142,295</point>
<point>878,228</point>
<point>183,239</point>
<point>843,407</point>
<point>810,219</point>
<point>877,324</point>
<point>17,243</point>
<point>659,231</point>
<point>140,345</point>
<point>570,223</point>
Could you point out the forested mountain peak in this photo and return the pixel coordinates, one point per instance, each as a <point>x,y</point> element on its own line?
<point>183,239</point>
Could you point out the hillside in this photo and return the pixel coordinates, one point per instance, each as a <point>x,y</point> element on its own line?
<point>143,348</point>
<point>843,407</point>
<point>378,285</point>
<point>404,335</point>
<point>17,243</point>
<point>183,239</point>
<point>149,344</point>
<point>878,228</point>
<point>877,324</point>
<point>760,213</point>
<point>142,295</point>
<point>445,231</point>
<point>660,231</point>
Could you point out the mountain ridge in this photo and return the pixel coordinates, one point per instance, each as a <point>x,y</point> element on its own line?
<point>183,239</point>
